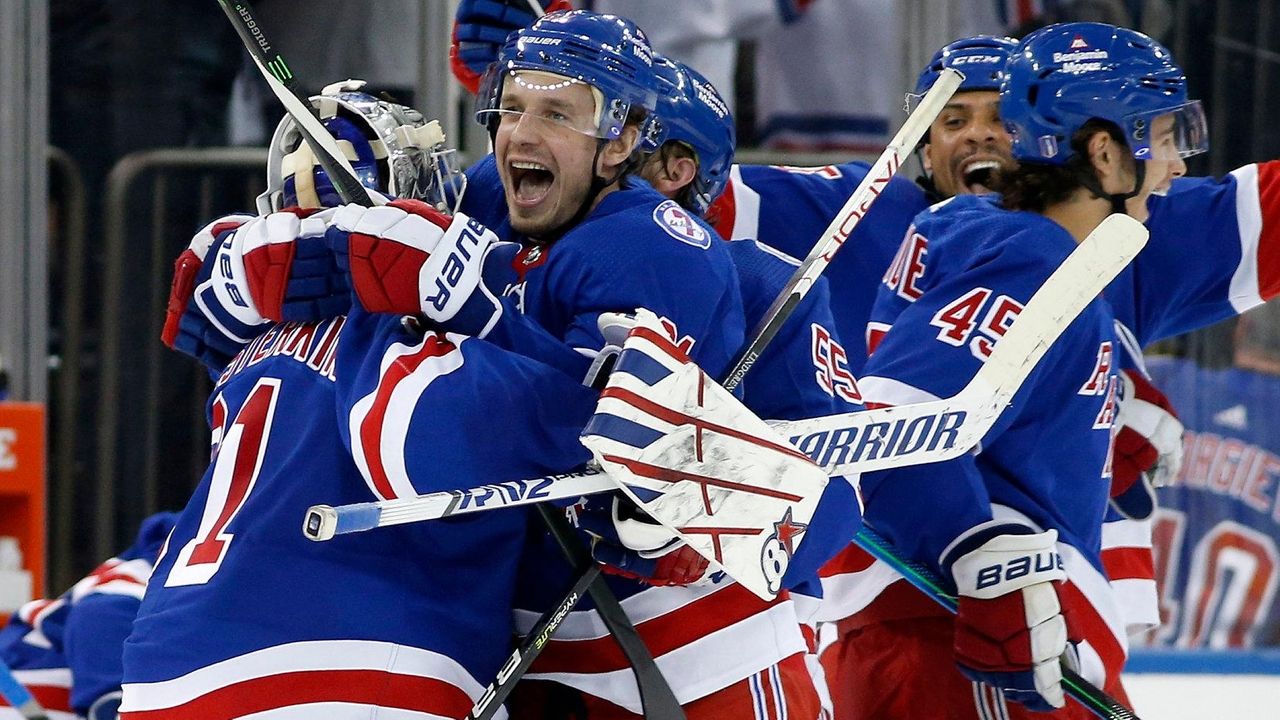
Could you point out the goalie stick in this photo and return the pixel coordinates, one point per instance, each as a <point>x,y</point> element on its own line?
<point>660,702</point>
<point>845,444</point>
<point>17,695</point>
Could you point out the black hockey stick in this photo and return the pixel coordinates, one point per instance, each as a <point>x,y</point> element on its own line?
<point>660,702</point>
<point>280,78</point>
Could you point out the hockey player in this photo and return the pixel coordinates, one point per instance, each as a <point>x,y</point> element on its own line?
<point>244,615</point>
<point>66,651</point>
<point>801,374</point>
<point>1100,121</point>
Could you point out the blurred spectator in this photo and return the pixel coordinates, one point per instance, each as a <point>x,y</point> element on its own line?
<point>1217,532</point>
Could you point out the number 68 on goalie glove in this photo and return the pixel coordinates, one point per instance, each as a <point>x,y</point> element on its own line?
<point>694,458</point>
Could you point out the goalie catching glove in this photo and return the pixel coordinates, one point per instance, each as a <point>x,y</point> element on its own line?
<point>1010,627</point>
<point>408,258</point>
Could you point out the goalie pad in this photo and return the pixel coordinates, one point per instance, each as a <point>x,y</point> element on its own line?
<point>699,462</point>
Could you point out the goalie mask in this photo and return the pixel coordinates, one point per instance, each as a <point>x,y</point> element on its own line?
<point>392,149</point>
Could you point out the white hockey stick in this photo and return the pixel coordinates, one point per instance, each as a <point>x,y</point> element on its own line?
<point>842,226</point>
<point>843,444</point>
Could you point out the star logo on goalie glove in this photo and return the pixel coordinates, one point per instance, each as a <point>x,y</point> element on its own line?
<point>787,530</point>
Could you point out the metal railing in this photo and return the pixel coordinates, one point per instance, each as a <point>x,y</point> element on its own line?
<point>141,383</point>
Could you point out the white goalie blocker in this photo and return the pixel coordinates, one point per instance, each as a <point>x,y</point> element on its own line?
<point>700,463</point>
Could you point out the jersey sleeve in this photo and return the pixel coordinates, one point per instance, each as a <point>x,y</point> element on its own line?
<point>1214,252</point>
<point>426,412</point>
<point>931,349</point>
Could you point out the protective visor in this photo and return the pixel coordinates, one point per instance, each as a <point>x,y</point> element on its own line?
<point>1168,134</point>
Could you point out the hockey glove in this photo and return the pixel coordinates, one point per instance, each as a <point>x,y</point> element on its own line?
<point>631,544</point>
<point>1010,627</point>
<point>188,329</point>
<point>1148,449</point>
<point>479,29</point>
<point>289,269</point>
<point>408,258</point>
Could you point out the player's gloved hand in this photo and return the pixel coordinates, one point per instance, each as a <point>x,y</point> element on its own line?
<point>408,258</point>
<point>631,544</point>
<point>187,328</point>
<point>1148,447</point>
<point>290,272</point>
<point>1010,627</point>
<point>479,29</point>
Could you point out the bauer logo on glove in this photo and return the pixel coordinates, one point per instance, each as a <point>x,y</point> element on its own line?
<point>699,462</point>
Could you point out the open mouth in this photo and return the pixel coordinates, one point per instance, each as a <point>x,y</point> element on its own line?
<point>976,175</point>
<point>530,182</point>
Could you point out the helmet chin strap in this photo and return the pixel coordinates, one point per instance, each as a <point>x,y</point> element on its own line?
<point>1090,180</point>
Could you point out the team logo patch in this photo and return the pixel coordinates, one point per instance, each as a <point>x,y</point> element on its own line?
<point>681,225</point>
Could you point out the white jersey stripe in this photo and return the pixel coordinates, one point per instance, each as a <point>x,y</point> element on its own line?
<point>1244,281</point>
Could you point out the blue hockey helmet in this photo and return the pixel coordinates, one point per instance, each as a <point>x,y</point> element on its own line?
<point>1064,75</point>
<point>981,59</point>
<point>608,53</point>
<point>692,112</point>
<point>391,148</point>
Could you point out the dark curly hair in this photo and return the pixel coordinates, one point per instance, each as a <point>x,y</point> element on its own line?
<point>1037,186</point>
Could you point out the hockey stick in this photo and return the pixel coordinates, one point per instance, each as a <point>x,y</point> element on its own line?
<point>322,522</point>
<point>653,687</point>
<point>278,76</point>
<point>17,695</point>
<point>842,226</point>
<point>843,444</point>
<point>1093,698</point>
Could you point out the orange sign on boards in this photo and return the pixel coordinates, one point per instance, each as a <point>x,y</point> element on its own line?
<point>22,483</point>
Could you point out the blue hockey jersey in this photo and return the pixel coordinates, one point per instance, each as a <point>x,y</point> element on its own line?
<point>802,374</point>
<point>789,208</point>
<point>67,650</point>
<point>246,615</point>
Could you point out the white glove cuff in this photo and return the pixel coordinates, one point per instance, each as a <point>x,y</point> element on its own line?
<point>1006,563</point>
<point>453,271</point>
